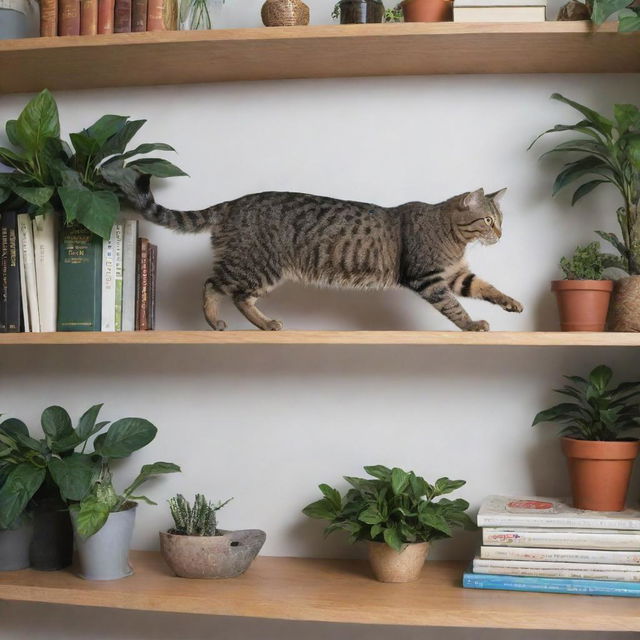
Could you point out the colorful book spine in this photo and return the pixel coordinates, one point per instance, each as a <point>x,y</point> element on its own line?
<point>155,15</point>
<point>139,15</point>
<point>4,271</point>
<point>142,288</point>
<point>14,296</point>
<point>109,282</point>
<point>562,539</point>
<point>129,254</point>
<point>88,17</point>
<point>27,264</point>
<point>551,585</point>
<point>153,273</point>
<point>122,20</point>
<point>119,232</point>
<point>106,14</point>
<point>45,243</point>
<point>24,301</point>
<point>69,18</point>
<point>560,555</point>
<point>48,18</point>
<point>80,279</point>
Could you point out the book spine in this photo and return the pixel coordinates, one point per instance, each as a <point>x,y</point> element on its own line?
<point>24,301</point>
<point>25,237</point>
<point>560,555</point>
<point>48,18</point>
<point>119,231</point>
<point>551,585</point>
<point>106,13</point>
<point>142,312</point>
<point>80,271</point>
<point>108,282</point>
<point>153,271</point>
<point>129,252</point>
<point>88,17</point>
<point>508,568</point>
<point>568,522</point>
<point>122,20</point>
<point>561,539</point>
<point>69,18</point>
<point>139,15</point>
<point>4,271</point>
<point>45,255</point>
<point>155,15</point>
<point>14,296</point>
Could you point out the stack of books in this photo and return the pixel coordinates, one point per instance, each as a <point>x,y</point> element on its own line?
<point>499,10</point>
<point>73,280</point>
<point>543,544</point>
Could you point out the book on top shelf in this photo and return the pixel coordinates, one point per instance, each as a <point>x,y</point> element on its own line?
<point>68,17</point>
<point>499,11</point>
<point>541,537</point>
<point>561,555</point>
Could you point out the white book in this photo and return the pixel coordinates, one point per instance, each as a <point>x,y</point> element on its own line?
<point>23,250</point>
<point>117,250</point>
<point>504,511</point>
<point>45,250</point>
<point>129,249</point>
<point>562,538</point>
<point>623,573</point>
<point>499,3</point>
<point>109,282</point>
<point>499,14</point>
<point>27,262</point>
<point>560,555</point>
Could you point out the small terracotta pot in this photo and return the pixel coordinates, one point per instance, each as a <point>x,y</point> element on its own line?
<point>600,472</point>
<point>427,10</point>
<point>625,306</point>
<point>389,565</point>
<point>583,304</point>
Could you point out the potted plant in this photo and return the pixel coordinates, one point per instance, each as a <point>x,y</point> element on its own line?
<point>427,10</point>
<point>609,153</point>
<point>196,548</point>
<point>597,441</point>
<point>358,11</point>
<point>628,13</point>
<point>583,296</point>
<point>80,181</point>
<point>396,513</point>
<point>15,542</point>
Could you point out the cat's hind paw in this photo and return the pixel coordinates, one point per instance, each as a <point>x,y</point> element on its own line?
<point>478,325</point>
<point>273,325</point>
<point>218,325</point>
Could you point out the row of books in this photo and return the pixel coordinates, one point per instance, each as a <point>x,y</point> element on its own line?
<point>91,17</point>
<point>499,10</point>
<point>69,279</point>
<point>543,544</point>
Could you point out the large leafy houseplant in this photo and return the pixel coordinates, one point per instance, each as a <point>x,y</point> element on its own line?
<point>628,13</point>
<point>80,179</point>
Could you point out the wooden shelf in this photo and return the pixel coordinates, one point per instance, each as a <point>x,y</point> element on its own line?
<point>327,591</point>
<point>182,57</point>
<point>255,337</point>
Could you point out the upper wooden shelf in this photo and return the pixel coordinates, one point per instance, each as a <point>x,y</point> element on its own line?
<point>326,591</point>
<point>220,55</point>
<point>255,337</point>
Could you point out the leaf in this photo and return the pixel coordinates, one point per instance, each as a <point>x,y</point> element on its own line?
<point>19,487</point>
<point>156,167</point>
<point>580,145</point>
<point>321,510</point>
<point>14,427</point>
<point>56,423</point>
<point>12,159</point>
<point>585,189</point>
<point>124,437</point>
<point>379,471</point>
<point>600,377</point>
<point>375,531</point>
<point>558,412</point>
<point>74,475</point>
<point>147,148</point>
<point>38,121</point>
<point>613,239</point>
<point>627,116</point>
<point>95,210</point>
<point>11,130</point>
<point>392,538</point>
<point>602,9</point>
<point>104,128</point>
<point>332,495</point>
<point>371,515</point>
<point>444,485</point>
<point>399,480</point>
<point>597,121</point>
<point>629,22</point>
<point>118,142</point>
<point>574,170</point>
<point>91,515</point>
<point>84,147</point>
<point>584,126</point>
<point>430,518</point>
<point>34,195</point>
<point>87,422</point>
<point>147,472</point>
<point>143,499</point>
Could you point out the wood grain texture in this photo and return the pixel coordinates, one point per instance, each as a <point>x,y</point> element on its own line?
<point>223,55</point>
<point>491,338</point>
<point>327,591</point>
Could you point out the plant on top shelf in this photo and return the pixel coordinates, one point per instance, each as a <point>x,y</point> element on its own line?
<point>597,430</point>
<point>397,513</point>
<point>587,263</point>
<point>80,180</point>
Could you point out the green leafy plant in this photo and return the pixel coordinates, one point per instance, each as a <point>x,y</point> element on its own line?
<point>199,520</point>
<point>81,180</point>
<point>628,15</point>
<point>610,154</point>
<point>600,412</point>
<point>394,506</point>
<point>587,263</point>
<point>395,14</point>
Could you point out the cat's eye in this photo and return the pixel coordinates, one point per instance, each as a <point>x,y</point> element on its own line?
<point>489,221</point>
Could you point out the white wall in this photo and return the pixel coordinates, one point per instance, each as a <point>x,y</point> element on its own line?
<point>267,424</point>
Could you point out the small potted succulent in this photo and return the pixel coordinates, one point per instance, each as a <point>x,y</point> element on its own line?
<point>597,430</point>
<point>583,296</point>
<point>427,10</point>
<point>359,11</point>
<point>196,548</point>
<point>396,513</point>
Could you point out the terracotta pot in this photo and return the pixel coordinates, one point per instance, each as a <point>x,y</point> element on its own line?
<point>600,472</point>
<point>389,565</point>
<point>427,10</point>
<point>625,306</point>
<point>583,304</point>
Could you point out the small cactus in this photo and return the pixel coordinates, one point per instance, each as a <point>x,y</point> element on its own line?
<point>199,520</point>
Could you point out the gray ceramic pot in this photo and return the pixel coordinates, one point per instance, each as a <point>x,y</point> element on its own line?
<point>14,547</point>
<point>105,555</point>
<point>224,556</point>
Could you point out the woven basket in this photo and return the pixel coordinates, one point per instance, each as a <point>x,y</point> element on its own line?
<point>625,306</point>
<point>285,13</point>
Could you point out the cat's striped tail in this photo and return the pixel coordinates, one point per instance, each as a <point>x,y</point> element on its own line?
<point>140,196</point>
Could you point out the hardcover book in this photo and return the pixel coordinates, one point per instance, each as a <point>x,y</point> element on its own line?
<point>48,18</point>
<point>88,17</point>
<point>4,272</point>
<point>45,241</point>
<point>122,20</point>
<point>560,555</point>
<point>155,15</point>
<point>499,14</point>
<point>142,288</point>
<point>129,254</point>
<point>562,538</point>
<point>118,233</point>
<point>139,15</point>
<point>30,311</point>
<point>153,274</point>
<point>106,12</point>
<point>69,18</point>
<point>109,282</point>
<point>13,317</point>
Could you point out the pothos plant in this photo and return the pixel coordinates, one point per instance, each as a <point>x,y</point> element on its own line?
<point>393,506</point>
<point>80,179</point>
<point>628,13</point>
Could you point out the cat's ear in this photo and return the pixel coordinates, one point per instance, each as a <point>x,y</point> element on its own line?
<point>497,196</point>
<point>473,199</point>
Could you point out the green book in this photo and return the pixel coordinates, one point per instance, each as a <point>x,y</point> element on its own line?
<point>79,280</point>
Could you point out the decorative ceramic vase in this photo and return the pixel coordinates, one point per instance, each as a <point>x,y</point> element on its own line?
<point>52,543</point>
<point>14,546</point>
<point>361,11</point>
<point>223,556</point>
<point>583,304</point>
<point>625,306</point>
<point>600,472</point>
<point>105,555</point>
<point>389,565</point>
<point>285,13</point>
<point>427,10</point>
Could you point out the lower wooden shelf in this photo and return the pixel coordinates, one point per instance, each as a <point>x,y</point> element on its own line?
<point>326,591</point>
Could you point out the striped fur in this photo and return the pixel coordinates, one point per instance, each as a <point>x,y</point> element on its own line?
<point>263,239</point>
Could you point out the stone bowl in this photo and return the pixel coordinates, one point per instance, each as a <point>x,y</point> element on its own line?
<point>223,556</point>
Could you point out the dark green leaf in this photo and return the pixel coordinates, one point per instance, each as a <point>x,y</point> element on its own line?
<point>95,210</point>
<point>156,167</point>
<point>444,485</point>
<point>18,488</point>
<point>321,509</point>
<point>124,437</point>
<point>602,9</point>
<point>87,422</point>
<point>56,423</point>
<point>629,22</point>
<point>399,480</point>
<point>613,239</point>
<point>574,170</point>
<point>585,189</point>
<point>371,515</point>
<point>627,117</point>
<point>392,538</point>
<point>379,471</point>
<point>74,475</point>
<point>11,129</point>
<point>559,411</point>
<point>12,159</point>
<point>105,128</point>
<point>147,148</point>
<point>600,377</point>
<point>596,120</point>
<point>38,121</point>
<point>332,495</point>
<point>118,143</point>
<point>147,472</point>
<point>34,195</point>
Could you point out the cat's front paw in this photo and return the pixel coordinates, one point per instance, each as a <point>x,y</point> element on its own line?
<point>512,305</point>
<point>274,325</point>
<point>478,325</point>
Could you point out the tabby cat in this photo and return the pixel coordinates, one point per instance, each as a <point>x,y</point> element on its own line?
<point>264,239</point>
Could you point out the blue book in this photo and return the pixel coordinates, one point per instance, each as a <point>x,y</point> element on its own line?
<point>551,585</point>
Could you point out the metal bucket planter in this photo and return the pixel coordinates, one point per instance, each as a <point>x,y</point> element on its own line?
<point>14,546</point>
